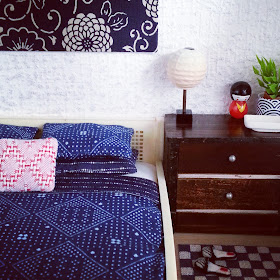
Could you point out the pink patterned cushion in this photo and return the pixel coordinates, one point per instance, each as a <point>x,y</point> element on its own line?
<point>27,165</point>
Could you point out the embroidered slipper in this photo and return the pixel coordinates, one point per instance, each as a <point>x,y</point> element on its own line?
<point>214,254</point>
<point>210,268</point>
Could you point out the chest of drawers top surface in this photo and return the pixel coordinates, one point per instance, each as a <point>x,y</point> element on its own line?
<point>221,144</point>
<point>222,128</point>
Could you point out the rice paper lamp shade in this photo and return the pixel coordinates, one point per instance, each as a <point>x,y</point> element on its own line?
<point>186,68</point>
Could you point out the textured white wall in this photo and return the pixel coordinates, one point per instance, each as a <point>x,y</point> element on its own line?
<point>230,32</point>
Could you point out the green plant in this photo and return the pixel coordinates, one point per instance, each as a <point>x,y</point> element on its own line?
<point>270,78</point>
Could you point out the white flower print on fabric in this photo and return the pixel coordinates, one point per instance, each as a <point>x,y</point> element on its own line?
<point>32,10</point>
<point>22,40</point>
<point>139,44</point>
<point>118,26</point>
<point>87,33</point>
<point>148,29</point>
<point>87,2</point>
<point>151,9</point>
<point>118,20</point>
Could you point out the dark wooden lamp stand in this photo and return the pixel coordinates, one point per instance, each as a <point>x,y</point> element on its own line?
<point>184,117</point>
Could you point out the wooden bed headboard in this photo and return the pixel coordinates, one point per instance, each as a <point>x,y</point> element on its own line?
<point>147,138</point>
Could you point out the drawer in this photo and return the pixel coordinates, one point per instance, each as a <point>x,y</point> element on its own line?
<point>236,194</point>
<point>231,158</point>
<point>227,223</point>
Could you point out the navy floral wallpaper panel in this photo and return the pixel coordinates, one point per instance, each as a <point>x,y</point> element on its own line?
<point>79,25</point>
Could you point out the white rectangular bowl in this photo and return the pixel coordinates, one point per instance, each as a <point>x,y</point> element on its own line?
<point>262,123</point>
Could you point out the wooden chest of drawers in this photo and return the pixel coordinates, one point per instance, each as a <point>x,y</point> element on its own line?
<point>221,176</point>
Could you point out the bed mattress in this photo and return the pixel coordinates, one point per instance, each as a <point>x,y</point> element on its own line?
<point>90,227</point>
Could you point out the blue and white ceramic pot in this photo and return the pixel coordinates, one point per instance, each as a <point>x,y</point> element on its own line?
<point>268,106</point>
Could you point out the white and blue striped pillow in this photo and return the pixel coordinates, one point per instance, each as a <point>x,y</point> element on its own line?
<point>99,165</point>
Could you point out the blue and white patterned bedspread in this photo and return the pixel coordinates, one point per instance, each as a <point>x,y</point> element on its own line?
<point>90,227</point>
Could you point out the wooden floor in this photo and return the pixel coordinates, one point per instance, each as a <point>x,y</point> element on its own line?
<point>223,239</point>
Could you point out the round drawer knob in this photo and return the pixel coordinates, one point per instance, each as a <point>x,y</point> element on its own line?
<point>232,158</point>
<point>229,196</point>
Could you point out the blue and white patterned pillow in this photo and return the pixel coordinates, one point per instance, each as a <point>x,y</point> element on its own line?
<point>99,165</point>
<point>17,132</point>
<point>88,139</point>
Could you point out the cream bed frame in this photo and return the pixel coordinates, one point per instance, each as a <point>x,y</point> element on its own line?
<point>148,139</point>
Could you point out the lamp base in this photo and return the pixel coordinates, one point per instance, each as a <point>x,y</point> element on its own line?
<point>184,118</point>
